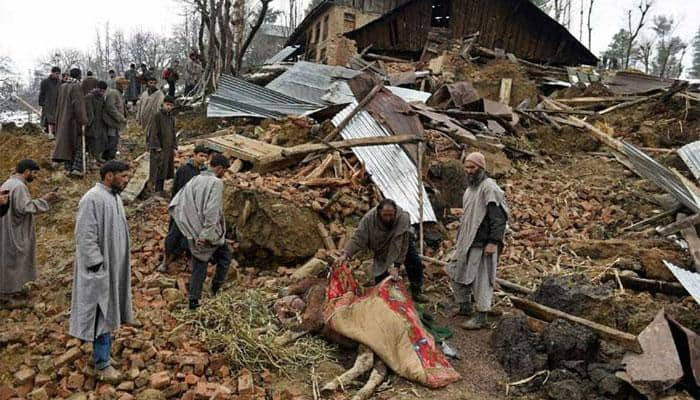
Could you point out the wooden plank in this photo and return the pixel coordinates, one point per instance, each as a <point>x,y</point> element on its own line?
<point>647,285</point>
<point>679,225</point>
<point>627,340</point>
<point>504,94</point>
<point>361,105</point>
<point>247,149</point>
<point>583,100</point>
<point>327,240</point>
<point>691,236</point>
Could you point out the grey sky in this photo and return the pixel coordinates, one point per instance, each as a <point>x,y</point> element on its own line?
<point>29,29</point>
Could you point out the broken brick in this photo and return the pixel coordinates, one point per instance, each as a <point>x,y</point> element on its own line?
<point>24,376</point>
<point>159,380</point>
<point>69,356</point>
<point>245,382</point>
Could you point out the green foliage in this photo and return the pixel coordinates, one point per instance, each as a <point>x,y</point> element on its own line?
<point>614,56</point>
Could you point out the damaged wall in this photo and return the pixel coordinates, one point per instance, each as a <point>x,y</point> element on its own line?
<point>516,26</point>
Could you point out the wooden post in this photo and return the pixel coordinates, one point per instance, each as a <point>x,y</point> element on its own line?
<point>420,198</point>
<point>504,95</point>
<point>354,112</point>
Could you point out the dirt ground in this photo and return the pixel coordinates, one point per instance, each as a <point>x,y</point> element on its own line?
<point>574,193</point>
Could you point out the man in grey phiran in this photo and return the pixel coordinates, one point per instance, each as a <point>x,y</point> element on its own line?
<point>101,299</point>
<point>17,234</point>
<point>472,269</point>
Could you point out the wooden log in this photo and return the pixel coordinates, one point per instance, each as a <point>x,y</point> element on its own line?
<point>321,168</point>
<point>679,225</point>
<point>373,56</point>
<point>627,340</point>
<point>647,285</point>
<point>651,220</point>
<point>304,149</point>
<point>26,104</point>
<point>338,167</point>
<point>327,240</point>
<point>599,135</point>
<point>352,113</point>
<point>691,237</point>
<point>584,100</point>
<point>570,112</point>
<point>628,104</point>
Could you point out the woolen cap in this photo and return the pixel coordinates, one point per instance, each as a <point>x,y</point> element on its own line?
<point>478,159</point>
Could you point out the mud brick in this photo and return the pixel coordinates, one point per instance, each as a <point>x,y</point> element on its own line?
<point>23,391</point>
<point>38,394</point>
<point>75,381</point>
<point>149,353</point>
<point>245,382</point>
<point>41,379</point>
<point>126,386</point>
<point>126,396</point>
<point>69,356</point>
<point>173,390</point>
<point>137,361</point>
<point>223,372</point>
<point>133,373</point>
<point>46,366</point>
<point>201,391</point>
<point>24,376</point>
<point>107,391</point>
<point>142,379</point>
<point>159,380</point>
<point>189,395</point>
<point>6,392</point>
<point>164,356</point>
<point>191,379</point>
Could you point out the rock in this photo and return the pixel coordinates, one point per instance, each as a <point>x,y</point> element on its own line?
<point>652,261</point>
<point>78,396</point>
<point>191,379</point>
<point>69,356</point>
<point>38,394</point>
<point>172,295</point>
<point>6,392</point>
<point>607,384</point>
<point>518,348</point>
<point>271,230</point>
<point>150,394</point>
<point>566,341</point>
<point>159,380</point>
<point>133,373</point>
<point>41,380</point>
<point>142,379</point>
<point>245,382</point>
<point>24,376</point>
<point>174,389</point>
<point>573,294</point>
<point>565,390</point>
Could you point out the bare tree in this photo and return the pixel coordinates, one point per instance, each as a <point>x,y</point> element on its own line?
<point>644,51</point>
<point>590,27</point>
<point>644,6</point>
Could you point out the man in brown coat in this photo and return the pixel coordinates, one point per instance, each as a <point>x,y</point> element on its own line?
<point>162,145</point>
<point>115,117</point>
<point>70,122</point>
<point>88,83</point>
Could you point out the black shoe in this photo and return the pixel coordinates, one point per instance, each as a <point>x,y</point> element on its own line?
<point>477,322</point>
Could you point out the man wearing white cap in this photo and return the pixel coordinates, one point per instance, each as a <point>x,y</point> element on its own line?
<point>472,269</point>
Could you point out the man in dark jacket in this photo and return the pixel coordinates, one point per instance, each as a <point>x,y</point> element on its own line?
<point>48,97</point>
<point>115,117</point>
<point>70,121</point>
<point>172,75</point>
<point>175,242</point>
<point>89,83</point>
<point>96,128</point>
<point>162,145</point>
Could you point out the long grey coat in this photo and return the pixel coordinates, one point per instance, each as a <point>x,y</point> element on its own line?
<point>162,143</point>
<point>101,237</point>
<point>17,236</point>
<point>95,128</point>
<point>464,264</point>
<point>134,89</point>
<point>198,211</point>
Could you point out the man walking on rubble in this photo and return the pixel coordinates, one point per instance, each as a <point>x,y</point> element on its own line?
<point>472,269</point>
<point>101,299</point>
<point>134,90</point>
<point>70,122</point>
<point>48,97</point>
<point>197,209</point>
<point>162,144</point>
<point>114,117</point>
<point>96,128</point>
<point>175,242</point>
<point>386,231</point>
<point>17,234</point>
<point>149,105</point>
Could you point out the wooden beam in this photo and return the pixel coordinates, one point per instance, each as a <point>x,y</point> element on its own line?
<point>584,100</point>
<point>651,220</point>
<point>599,135</point>
<point>691,237</point>
<point>648,285</point>
<point>27,105</point>
<point>504,93</point>
<point>354,112</point>
<point>627,340</point>
<point>679,225</point>
<point>570,112</point>
<point>628,104</point>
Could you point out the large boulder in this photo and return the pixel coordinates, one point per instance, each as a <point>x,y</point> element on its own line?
<point>269,230</point>
<point>574,294</point>
<point>568,342</point>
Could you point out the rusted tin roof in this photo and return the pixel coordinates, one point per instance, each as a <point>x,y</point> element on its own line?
<point>627,83</point>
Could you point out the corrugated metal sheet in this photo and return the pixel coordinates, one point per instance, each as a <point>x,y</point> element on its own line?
<point>282,55</point>
<point>389,166</point>
<point>315,83</point>
<point>409,95</point>
<point>690,153</point>
<point>663,177</point>
<point>624,83</point>
<point>689,280</point>
<point>238,98</point>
